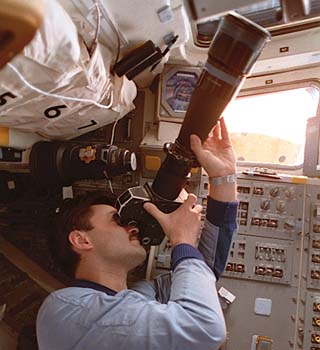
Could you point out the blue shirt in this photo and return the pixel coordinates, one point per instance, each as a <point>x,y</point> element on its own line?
<point>91,317</point>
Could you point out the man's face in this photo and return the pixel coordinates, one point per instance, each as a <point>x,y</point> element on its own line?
<point>112,242</point>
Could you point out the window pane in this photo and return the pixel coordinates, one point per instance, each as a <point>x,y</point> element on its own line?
<point>270,128</point>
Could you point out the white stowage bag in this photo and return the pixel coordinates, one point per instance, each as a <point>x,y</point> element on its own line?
<point>57,61</point>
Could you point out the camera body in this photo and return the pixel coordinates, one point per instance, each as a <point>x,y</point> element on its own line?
<point>130,209</point>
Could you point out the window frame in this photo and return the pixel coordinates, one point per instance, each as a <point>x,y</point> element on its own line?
<point>313,83</point>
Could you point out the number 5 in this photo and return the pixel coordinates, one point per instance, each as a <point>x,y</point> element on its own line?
<point>3,99</point>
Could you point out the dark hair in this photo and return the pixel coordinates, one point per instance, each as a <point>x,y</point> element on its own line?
<point>73,214</point>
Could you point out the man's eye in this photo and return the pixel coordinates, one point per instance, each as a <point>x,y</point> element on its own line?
<point>116,218</point>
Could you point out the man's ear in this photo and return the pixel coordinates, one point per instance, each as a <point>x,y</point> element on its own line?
<point>80,240</point>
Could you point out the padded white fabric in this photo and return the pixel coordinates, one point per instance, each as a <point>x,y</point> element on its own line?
<point>57,61</point>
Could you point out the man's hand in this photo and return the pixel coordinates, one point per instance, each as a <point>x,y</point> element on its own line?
<point>216,155</point>
<point>183,224</point>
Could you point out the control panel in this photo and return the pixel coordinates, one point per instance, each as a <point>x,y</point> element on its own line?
<point>312,322</point>
<point>263,267</point>
<point>273,267</point>
<point>260,260</point>
<point>309,318</point>
<point>267,209</point>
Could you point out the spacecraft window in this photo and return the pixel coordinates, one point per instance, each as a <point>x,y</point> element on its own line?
<point>266,13</point>
<point>269,14</point>
<point>270,128</point>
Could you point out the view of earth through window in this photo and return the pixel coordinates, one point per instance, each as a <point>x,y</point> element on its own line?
<point>271,127</point>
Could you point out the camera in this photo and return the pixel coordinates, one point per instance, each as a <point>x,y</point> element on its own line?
<point>62,163</point>
<point>234,49</point>
<point>131,213</point>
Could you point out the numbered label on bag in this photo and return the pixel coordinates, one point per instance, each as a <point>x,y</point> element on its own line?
<point>7,97</point>
<point>54,112</point>
<point>92,123</point>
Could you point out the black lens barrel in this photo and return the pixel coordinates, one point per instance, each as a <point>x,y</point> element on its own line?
<point>237,45</point>
<point>234,49</point>
<point>61,163</point>
<point>232,54</point>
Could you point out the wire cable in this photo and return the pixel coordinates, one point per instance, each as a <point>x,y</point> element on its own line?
<point>97,33</point>
<point>112,26</point>
<point>114,130</point>
<point>76,99</point>
<point>110,186</point>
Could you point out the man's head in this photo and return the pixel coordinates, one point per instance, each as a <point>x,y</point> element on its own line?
<point>87,229</point>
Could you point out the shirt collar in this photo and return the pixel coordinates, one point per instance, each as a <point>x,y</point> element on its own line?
<point>93,285</point>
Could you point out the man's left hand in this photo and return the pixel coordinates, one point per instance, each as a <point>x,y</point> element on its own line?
<point>216,155</point>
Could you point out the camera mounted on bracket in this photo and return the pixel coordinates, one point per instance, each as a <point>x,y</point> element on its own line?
<point>62,163</point>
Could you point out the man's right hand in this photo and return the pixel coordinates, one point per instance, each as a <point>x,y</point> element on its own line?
<point>183,224</point>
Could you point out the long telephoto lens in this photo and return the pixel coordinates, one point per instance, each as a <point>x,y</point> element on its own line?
<point>62,163</point>
<point>234,49</point>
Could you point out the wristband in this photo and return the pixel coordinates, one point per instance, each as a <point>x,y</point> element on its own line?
<point>227,179</point>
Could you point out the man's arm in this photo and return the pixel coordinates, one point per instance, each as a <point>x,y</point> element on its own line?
<point>191,312</point>
<point>192,319</point>
<point>217,234</point>
<point>217,157</point>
